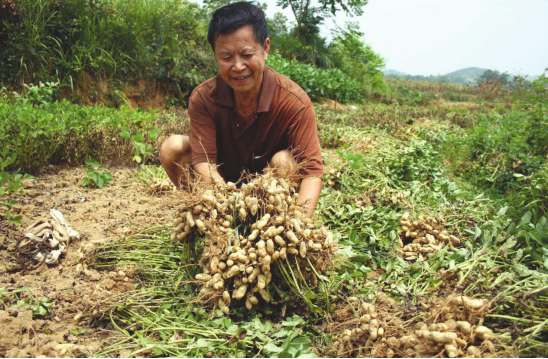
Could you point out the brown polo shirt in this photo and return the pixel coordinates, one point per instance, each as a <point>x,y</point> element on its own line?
<point>285,120</point>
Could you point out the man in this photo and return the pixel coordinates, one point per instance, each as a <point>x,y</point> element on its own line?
<point>248,117</point>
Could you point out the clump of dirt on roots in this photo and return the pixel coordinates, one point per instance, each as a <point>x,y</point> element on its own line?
<point>247,230</point>
<point>423,235</point>
<point>450,329</point>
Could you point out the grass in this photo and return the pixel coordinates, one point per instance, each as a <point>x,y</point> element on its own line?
<point>421,92</point>
<point>77,40</point>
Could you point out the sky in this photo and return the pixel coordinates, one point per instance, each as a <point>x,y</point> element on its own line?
<point>435,37</point>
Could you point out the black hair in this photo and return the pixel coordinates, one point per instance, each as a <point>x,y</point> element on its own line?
<point>231,17</point>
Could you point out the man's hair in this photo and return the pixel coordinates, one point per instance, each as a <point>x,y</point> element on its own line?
<point>231,17</point>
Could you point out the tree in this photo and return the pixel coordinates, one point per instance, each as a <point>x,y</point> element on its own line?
<point>355,58</point>
<point>310,17</point>
<point>494,76</point>
<point>277,26</point>
<point>212,5</point>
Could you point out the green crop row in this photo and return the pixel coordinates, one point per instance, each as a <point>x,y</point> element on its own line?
<point>64,133</point>
<point>318,82</point>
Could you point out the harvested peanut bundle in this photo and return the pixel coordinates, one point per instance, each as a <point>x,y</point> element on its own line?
<point>161,185</point>
<point>245,231</point>
<point>426,235</point>
<point>377,330</point>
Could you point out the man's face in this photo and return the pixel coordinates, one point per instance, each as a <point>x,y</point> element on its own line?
<point>241,60</point>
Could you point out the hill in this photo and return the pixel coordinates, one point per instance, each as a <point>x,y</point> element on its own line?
<point>462,76</point>
<point>390,72</point>
<point>467,75</point>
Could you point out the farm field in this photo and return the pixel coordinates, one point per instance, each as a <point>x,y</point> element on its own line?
<point>439,212</point>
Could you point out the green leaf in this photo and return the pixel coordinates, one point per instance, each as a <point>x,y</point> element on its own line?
<point>477,232</point>
<point>526,219</point>
<point>125,133</point>
<point>502,211</point>
<point>272,348</point>
<point>307,355</point>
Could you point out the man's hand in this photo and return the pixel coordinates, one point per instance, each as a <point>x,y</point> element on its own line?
<point>309,193</point>
<point>208,172</point>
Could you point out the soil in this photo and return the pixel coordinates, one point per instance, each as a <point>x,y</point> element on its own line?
<point>77,290</point>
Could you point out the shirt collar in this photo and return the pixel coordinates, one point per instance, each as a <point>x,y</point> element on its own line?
<point>223,95</point>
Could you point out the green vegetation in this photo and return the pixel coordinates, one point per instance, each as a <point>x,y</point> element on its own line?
<point>317,82</point>
<point>10,183</point>
<point>73,41</point>
<point>96,177</point>
<point>24,298</point>
<point>91,52</point>
<point>384,160</point>
<point>142,143</point>
<point>61,132</point>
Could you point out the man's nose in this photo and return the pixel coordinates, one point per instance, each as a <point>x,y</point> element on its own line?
<point>239,64</point>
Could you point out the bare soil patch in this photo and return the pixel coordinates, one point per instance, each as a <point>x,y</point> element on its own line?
<point>76,290</point>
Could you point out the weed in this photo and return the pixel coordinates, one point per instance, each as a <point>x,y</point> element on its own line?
<point>10,183</point>
<point>96,177</point>
<point>41,94</point>
<point>143,150</point>
<point>24,298</point>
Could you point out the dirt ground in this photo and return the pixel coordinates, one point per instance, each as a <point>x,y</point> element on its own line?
<point>74,288</point>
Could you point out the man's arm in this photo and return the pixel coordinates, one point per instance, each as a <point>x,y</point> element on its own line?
<point>309,193</point>
<point>208,172</point>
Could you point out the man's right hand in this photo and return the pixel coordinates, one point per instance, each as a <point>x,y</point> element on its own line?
<point>208,172</point>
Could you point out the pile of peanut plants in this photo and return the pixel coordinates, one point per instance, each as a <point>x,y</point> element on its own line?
<point>439,214</point>
<point>461,267</point>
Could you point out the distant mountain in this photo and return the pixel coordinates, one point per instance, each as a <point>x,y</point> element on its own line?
<point>467,75</point>
<point>462,76</point>
<point>393,72</point>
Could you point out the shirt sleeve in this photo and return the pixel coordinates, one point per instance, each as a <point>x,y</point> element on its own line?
<point>303,140</point>
<point>203,132</point>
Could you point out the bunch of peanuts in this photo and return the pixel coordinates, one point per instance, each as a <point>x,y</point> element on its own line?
<point>245,232</point>
<point>427,235</point>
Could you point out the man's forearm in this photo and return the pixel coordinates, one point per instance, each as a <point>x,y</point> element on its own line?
<point>309,193</point>
<point>208,172</point>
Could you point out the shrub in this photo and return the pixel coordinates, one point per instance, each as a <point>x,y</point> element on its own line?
<point>73,40</point>
<point>317,82</point>
<point>62,132</point>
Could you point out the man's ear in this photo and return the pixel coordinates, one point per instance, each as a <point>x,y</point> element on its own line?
<point>266,47</point>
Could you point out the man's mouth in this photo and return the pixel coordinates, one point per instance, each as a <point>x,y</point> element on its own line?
<point>241,78</point>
